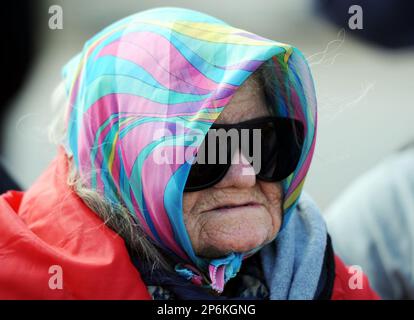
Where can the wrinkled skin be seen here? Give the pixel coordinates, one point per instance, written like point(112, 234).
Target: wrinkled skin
point(255, 214)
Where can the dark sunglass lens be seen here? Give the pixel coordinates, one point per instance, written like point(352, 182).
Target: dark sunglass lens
point(269, 152)
point(204, 175)
point(281, 141)
point(281, 150)
point(206, 170)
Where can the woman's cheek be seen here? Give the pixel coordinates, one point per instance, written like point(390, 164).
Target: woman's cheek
point(274, 196)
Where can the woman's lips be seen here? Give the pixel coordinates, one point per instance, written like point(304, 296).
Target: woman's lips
point(234, 208)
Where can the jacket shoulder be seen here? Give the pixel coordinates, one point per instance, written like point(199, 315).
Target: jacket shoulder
point(52, 246)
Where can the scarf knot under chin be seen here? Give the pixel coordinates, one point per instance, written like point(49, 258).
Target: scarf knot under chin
point(220, 271)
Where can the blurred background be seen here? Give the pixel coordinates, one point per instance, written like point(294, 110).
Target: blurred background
point(364, 78)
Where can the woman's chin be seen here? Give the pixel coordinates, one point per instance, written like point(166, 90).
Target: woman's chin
point(223, 235)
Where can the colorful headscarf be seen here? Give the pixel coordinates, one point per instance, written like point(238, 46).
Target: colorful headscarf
point(149, 72)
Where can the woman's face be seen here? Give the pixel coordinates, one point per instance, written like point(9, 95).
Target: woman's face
point(253, 212)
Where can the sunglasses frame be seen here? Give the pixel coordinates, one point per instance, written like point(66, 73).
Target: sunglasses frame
point(278, 122)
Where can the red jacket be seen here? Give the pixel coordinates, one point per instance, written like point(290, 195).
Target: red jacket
point(47, 233)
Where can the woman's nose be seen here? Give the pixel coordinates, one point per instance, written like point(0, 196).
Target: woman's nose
point(241, 173)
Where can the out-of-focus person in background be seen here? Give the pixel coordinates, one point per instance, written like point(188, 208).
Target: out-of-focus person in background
point(378, 211)
point(122, 217)
point(16, 25)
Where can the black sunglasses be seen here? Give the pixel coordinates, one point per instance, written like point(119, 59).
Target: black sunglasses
point(281, 141)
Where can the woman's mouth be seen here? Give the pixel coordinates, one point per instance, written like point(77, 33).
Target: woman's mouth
point(236, 207)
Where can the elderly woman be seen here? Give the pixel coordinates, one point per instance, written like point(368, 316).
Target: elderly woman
point(130, 210)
